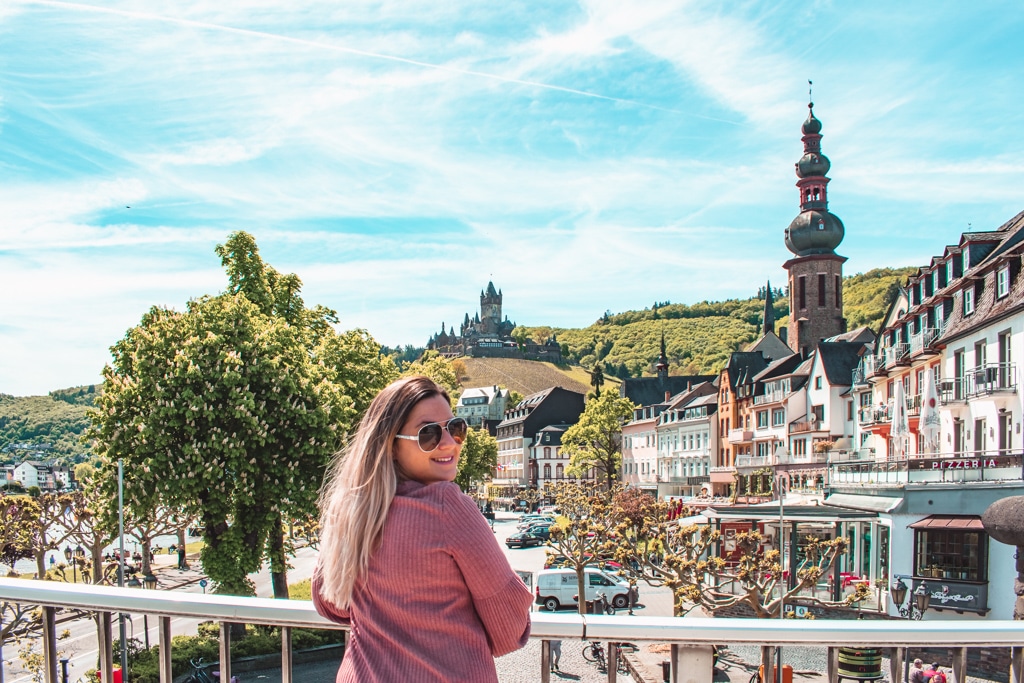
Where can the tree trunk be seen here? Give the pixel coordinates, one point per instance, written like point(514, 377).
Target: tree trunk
point(581, 586)
point(278, 561)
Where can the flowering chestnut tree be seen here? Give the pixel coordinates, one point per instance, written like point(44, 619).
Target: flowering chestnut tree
point(231, 411)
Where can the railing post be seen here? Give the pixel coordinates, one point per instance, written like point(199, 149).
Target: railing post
point(106, 647)
point(1016, 665)
point(896, 663)
point(698, 662)
point(286, 655)
point(613, 662)
point(545, 661)
point(225, 651)
point(50, 643)
point(831, 665)
point(164, 637)
point(960, 664)
point(767, 664)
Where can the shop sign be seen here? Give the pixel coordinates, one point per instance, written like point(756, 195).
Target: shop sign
point(953, 595)
point(964, 463)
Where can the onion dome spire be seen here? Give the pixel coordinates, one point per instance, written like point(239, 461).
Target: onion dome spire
point(816, 230)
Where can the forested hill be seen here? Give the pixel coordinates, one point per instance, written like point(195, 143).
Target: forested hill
point(45, 427)
point(700, 337)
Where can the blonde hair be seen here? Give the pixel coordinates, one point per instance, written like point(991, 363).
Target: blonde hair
point(358, 491)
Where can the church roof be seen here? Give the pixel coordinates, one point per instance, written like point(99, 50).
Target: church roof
point(770, 346)
point(648, 391)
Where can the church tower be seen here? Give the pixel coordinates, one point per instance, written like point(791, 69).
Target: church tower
point(816, 272)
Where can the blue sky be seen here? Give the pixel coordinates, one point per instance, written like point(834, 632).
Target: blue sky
point(584, 155)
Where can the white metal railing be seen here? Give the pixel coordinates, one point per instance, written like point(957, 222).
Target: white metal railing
point(970, 466)
point(896, 353)
point(771, 397)
point(923, 339)
point(697, 633)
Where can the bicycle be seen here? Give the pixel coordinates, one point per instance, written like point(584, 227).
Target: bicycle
point(201, 675)
point(594, 652)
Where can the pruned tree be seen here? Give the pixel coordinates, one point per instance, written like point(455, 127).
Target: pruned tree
point(662, 551)
point(595, 441)
point(579, 537)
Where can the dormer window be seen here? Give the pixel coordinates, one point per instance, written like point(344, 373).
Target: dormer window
point(950, 274)
point(969, 300)
point(1002, 282)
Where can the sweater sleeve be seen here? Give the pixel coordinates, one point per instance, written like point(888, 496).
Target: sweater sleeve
point(326, 609)
point(501, 599)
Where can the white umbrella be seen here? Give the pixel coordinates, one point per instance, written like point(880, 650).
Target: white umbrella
point(931, 422)
point(900, 422)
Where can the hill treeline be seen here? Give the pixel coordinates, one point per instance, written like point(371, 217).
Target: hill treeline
point(699, 337)
point(45, 427)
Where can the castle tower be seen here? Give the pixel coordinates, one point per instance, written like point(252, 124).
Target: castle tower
point(816, 272)
point(490, 309)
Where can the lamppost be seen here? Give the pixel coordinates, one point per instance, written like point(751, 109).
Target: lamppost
point(914, 609)
point(68, 554)
point(134, 582)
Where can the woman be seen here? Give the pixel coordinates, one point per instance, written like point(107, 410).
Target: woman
point(406, 558)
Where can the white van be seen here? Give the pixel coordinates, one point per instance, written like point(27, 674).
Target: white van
point(556, 588)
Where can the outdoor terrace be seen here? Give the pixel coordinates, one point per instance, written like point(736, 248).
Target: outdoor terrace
point(953, 468)
point(986, 380)
point(690, 638)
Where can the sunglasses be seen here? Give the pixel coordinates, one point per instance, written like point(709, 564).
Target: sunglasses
point(429, 436)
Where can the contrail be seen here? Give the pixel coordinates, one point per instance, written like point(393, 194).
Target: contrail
point(146, 16)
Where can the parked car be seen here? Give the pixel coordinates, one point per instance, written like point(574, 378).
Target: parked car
point(542, 531)
point(530, 520)
point(557, 588)
point(521, 539)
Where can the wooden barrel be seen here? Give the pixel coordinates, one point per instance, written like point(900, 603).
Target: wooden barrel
point(860, 663)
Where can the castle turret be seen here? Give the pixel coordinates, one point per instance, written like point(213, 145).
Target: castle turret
point(816, 274)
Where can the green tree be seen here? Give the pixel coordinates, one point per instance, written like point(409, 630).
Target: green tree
point(438, 368)
point(478, 458)
point(521, 336)
point(597, 378)
point(232, 410)
point(595, 441)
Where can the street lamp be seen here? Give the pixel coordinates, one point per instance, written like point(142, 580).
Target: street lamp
point(915, 608)
point(68, 554)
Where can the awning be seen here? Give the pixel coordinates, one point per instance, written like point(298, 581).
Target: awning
point(692, 519)
point(961, 522)
point(868, 503)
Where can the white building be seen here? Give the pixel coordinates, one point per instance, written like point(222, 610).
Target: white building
point(483, 403)
point(687, 434)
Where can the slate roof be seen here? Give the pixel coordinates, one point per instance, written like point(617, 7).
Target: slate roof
point(779, 368)
point(647, 391)
point(770, 346)
point(743, 366)
point(863, 335)
point(839, 360)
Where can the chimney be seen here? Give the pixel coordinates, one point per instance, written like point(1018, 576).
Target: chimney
point(668, 395)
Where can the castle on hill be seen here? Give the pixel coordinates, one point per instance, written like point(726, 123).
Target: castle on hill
point(486, 335)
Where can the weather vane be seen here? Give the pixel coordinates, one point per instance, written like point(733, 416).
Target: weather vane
point(810, 85)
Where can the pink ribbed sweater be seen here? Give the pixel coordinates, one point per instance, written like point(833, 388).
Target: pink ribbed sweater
point(439, 601)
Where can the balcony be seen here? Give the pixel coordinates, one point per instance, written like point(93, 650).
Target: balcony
point(986, 380)
point(872, 415)
point(924, 341)
point(773, 397)
point(954, 468)
point(740, 436)
point(812, 425)
point(690, 638)
point(897, 354)
point(747, 462)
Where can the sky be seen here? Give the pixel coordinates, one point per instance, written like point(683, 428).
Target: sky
point(399, 155)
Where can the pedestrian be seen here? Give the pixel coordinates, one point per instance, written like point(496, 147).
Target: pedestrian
point(556, 654)
point(181, 558)
point(389, 504)
point(917, 672)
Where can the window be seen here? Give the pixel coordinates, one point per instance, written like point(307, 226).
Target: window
point(821, 289)
point(799, 447)
point(947, 554)
point(950, 271)
point(1002, 282)
point(762, 419)
point(547, 452)
point(839, 292)
point(849, 411)
point(969, 300)
point(818, 412)
point(817, 382)
point(778, 417)
point(547, 471)
point(802, 291)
